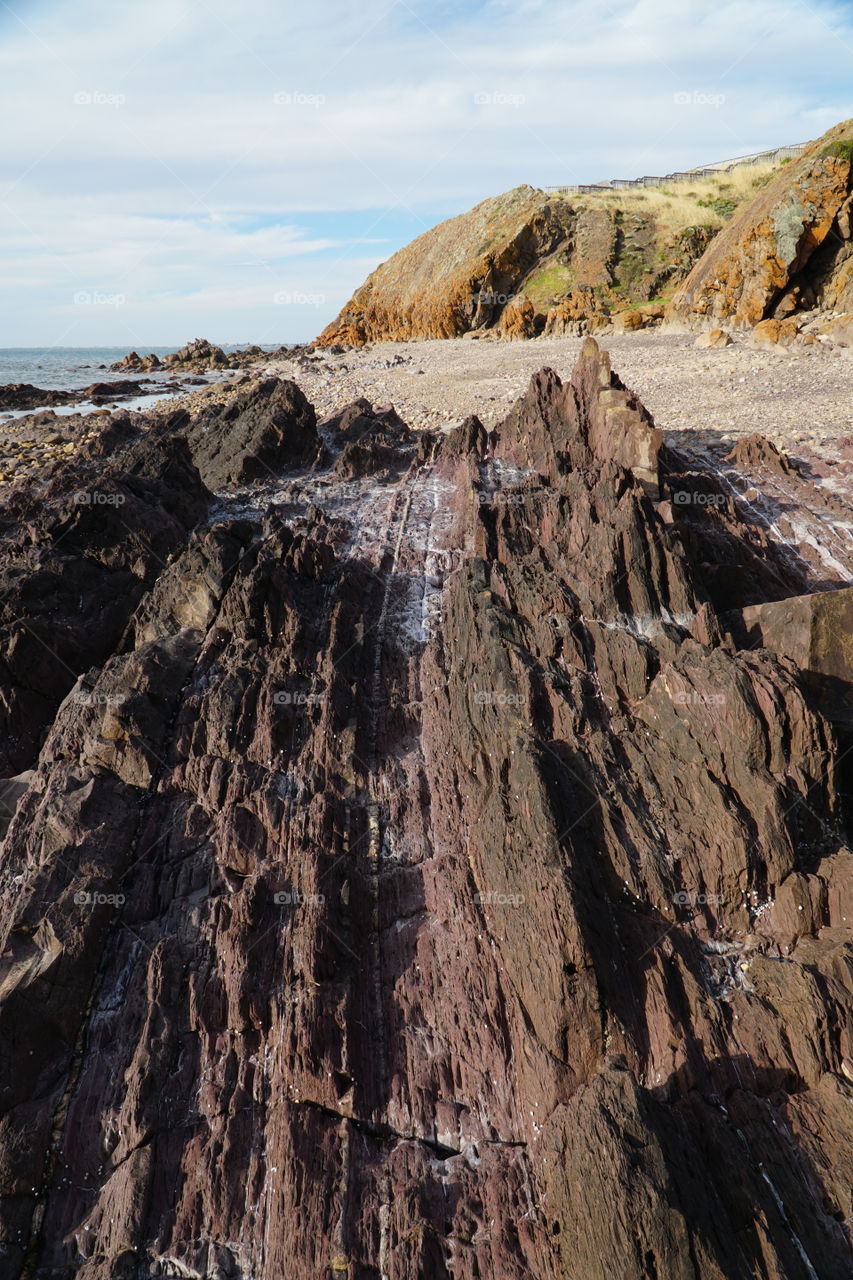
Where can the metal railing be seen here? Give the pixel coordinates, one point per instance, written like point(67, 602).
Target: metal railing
point(684, 175)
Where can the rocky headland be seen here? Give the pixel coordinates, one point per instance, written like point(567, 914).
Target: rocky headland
point(772, 255)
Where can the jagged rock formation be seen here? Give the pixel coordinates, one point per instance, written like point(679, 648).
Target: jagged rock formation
point(198, 356)
point(408, 877)
point(788, 251)
point(252, 434)
point(521, 262)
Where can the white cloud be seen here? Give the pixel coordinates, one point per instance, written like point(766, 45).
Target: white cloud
point(154, 182)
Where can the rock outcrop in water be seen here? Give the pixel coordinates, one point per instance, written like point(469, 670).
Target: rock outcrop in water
point(409, 876)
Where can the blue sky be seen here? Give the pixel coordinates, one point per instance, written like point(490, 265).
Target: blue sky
point(172, 169)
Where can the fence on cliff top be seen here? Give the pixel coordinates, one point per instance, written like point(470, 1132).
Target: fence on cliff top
point(685, 175)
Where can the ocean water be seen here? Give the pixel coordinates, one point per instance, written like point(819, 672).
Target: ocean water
point(68, 368)
point(63, 368)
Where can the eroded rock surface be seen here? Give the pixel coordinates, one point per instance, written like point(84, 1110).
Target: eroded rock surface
point(518, 264)
point(788, 251)
point(416, 882)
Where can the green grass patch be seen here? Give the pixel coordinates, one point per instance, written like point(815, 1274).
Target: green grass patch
point(548, 282)
point(841, 150)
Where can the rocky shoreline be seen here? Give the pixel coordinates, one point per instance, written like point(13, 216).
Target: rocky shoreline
point(445, 824)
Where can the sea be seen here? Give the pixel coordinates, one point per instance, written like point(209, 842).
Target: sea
point(71, 368)
point(63, 368)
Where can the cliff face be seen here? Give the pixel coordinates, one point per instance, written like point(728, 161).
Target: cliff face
point(523, 263)
point(789, 250)
point(521, 249)
point(407, 879)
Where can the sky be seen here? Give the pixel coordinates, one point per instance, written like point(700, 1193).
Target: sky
point(174, 169)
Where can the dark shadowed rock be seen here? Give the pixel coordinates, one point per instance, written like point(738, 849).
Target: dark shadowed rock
point(252, 434)
point(421, 885)
point(22, 395)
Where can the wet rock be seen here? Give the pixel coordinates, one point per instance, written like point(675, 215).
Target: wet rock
point(22, 395)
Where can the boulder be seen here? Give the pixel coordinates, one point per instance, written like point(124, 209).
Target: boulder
point(627, 321)
point(252, 433)
point(838, 330)
point(23, 395)
point(774, 333)
point(197, 356)
point(816, 632)
point(714, 339)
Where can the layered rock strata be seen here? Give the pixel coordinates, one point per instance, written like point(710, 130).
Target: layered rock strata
point(413, 878)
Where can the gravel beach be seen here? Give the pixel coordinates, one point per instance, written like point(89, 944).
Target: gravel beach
point(801, 398)
point(795, 396)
